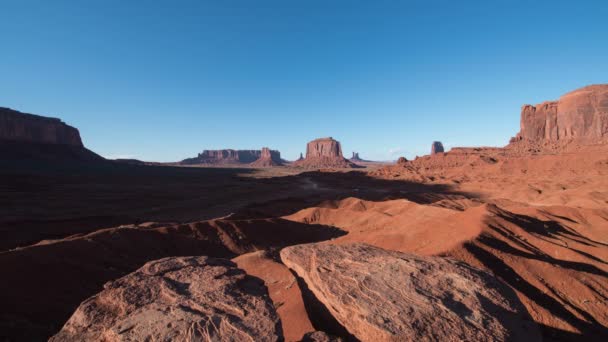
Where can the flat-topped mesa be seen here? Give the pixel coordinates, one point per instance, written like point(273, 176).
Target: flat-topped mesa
point(227, 156)
point(324, 153)
point(30, 128)
point(268, 158)
point(437, 147)
point(579, 115)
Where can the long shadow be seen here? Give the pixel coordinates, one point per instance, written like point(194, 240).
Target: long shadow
point(335, 186)
point(589, 331)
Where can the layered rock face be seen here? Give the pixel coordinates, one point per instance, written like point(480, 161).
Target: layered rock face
point(229, 156)
point(437, 147)
point(268, 158)
point(177, 299)
point(380, 295)
point(324, 153)
point(578, 115)
point(30, 128)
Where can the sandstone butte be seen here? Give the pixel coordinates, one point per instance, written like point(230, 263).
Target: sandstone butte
point(268, 158)
point(381, 295)
point(578, 115)
point(437, 147)
point(324, 153)
point(177, 299)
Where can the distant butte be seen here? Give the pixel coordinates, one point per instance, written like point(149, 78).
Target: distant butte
point(437, 147)
point(268, 158)
point(324, 153)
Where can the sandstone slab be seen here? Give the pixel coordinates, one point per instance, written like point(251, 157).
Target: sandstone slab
point(177, 299)
point(380, 295)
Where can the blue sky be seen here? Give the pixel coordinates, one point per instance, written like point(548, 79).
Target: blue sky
point(163, 80)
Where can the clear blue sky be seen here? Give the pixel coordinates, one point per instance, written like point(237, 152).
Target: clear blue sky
point(163, 80)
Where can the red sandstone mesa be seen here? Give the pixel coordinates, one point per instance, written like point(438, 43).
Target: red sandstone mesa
point(22, 127)
point(228, 157)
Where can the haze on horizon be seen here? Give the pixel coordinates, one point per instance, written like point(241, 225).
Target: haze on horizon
point(163, 81)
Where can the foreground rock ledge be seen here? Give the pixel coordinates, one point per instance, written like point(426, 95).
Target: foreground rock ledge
point(380, 295)
point(177, 299)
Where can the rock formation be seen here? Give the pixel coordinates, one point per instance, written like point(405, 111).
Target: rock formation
point(268, 158)
point(301, 157)
point(17, 126)
point(579, 115)
point(356, 159)
point(401, 160)
point(180, 299)
point(324, 153)
point(228, 157)
point(28, 137)
point(380, 295)
point(437, 147)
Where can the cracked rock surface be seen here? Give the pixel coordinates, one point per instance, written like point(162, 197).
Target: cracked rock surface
point(380, 295)
point(177, 299)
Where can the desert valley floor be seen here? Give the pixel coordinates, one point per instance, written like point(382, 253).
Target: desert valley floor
point(538, 222)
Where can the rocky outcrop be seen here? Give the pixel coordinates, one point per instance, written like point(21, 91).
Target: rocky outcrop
point(268, 158)
point(380, 295)
point(30, 128)
point(402, 160)
point(178, 299)
point(301, 157)
point(324, 153)
point(437, 147)
point(579, 115)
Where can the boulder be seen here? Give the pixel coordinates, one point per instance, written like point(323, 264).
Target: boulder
point(579, 115)
point(30, 128)
point(437, 147)
point(177, 299)
point(380, 295)
point(324, 153)
point(268, 158)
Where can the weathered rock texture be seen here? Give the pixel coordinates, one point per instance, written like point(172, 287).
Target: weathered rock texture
point(225, 157)
point(579, 115)
point(22, 127)
point(268, 158)
point(177, 299)
point(380, 295)
point(437, 147)
point(324, 153)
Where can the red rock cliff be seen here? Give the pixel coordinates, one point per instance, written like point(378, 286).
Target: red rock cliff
point(22, 127)
point(581, 115)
